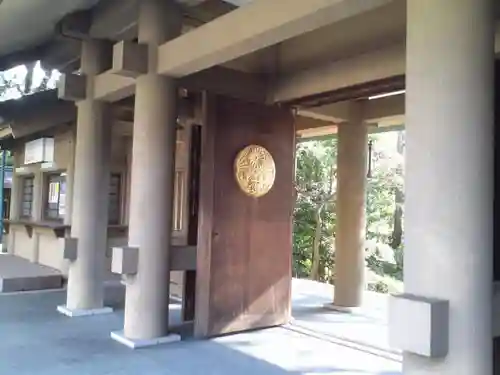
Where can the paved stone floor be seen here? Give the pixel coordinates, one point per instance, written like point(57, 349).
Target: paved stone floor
point(35, 339)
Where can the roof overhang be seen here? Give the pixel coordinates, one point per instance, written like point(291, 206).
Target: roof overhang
point(55, 26)
point(33, 114)
point(41, 16)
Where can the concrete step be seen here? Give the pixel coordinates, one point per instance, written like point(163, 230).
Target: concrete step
point(18, 274)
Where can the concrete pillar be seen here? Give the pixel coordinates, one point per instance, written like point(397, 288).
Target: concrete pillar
point(351, 209)
point(90, 194)
point(15, 202)
point(15, 191)
point(152, 182)
point(70, 176)
point(37, 213)
point(37, 204)
point(15, 196)
point(449, 176)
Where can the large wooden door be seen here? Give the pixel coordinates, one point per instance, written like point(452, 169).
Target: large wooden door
point(244, 243)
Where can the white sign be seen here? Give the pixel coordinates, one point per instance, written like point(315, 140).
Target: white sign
point(39, 151)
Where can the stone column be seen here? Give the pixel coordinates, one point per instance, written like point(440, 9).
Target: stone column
point(37, 212)
point(90, 194)
point(152, 182)
point(351, 208)
point(449, 177)
point(15, 199)
point(70, 176)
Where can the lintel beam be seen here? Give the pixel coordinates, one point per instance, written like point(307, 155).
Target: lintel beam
point(229, 82)
point(368, 67)
point(130, 59)
point(371, 66)
point(72, 87)
point(39, 121)
point(376, 110)
point(112, 87)
point(233, 35)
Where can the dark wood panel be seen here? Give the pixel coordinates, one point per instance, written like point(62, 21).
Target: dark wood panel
point(247, 269)
point(496, 199)
point(205, 217)
point(188, 300)
point(189, 295)
point(194, 184)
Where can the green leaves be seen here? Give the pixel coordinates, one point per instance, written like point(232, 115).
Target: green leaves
point(26, 79)
point(315, 184)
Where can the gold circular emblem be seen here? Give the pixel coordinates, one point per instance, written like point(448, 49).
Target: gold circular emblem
point(255, 170)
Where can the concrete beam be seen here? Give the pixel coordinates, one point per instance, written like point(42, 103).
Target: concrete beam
point(315, 114)
point(322, 131)
point(367, 67)
point(304, 122)
point(72, 87)
point(309, 127)
point(231, 36)
point(371, 66)
point(40, 120)
point(376, 110)
point(111, 87)
point(228, 82)
point(380, 109)
point(130, 59)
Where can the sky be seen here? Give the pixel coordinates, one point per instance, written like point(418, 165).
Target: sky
point(18, 74)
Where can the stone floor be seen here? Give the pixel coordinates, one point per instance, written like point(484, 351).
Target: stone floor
point(35, 339)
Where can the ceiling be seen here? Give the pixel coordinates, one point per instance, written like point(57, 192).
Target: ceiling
point(367, 31)
point(43, 15)
point(40, 15)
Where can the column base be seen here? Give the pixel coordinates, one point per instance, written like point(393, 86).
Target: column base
point(342, 309)
point(138, 343)
point(72, 313)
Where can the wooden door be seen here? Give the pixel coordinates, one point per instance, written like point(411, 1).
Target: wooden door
point(244, 243)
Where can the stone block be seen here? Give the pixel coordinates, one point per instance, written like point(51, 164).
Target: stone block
point(72, 87)
point(419, 325)
point(70, 249)
point(125, 260)
point(130, 59)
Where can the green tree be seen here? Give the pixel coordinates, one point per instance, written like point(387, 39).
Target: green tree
point(385, 206)
point(26, 79)
point(314, 223)
point(315, 219)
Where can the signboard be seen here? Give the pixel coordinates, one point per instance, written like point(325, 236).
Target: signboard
point(39, 151)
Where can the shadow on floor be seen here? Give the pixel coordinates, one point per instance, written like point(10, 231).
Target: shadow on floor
point(38, 340)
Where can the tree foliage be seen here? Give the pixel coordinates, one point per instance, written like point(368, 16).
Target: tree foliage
point(26, 79)
point(315, 219)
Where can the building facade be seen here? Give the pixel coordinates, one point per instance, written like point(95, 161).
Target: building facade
point(43, 152)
